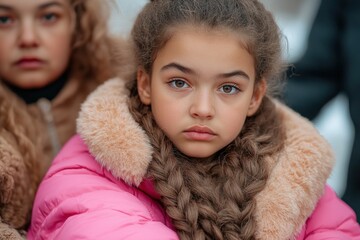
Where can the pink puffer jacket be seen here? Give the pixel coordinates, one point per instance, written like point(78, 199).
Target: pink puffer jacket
point(96, 187)
point(79, 199)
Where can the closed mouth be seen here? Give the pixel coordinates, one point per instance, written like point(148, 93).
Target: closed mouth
point(199, 133)
point(29, 63)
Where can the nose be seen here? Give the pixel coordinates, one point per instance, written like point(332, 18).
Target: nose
point(27, 35)
point(202, 106)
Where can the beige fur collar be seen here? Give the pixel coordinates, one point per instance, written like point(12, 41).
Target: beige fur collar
point(298, 174)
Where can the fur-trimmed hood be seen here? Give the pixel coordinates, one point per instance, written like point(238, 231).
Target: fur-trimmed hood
point(297, 174)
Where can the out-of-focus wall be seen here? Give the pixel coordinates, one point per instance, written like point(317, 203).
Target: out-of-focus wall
point(124, 15)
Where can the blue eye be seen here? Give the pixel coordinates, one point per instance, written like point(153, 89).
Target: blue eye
point(178, 83)
point(229, 89)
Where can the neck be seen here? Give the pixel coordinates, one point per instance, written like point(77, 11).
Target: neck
point(49, 92)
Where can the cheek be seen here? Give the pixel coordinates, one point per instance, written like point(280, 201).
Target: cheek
point(235, 124)
point(166, 114)
point(166, 109)
point(61, 55)
point(7, 48)
point(233, 119)
point(59, 40)
point(7, 55)
point(3, 56)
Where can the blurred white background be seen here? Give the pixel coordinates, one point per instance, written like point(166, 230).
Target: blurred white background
point(294, 19)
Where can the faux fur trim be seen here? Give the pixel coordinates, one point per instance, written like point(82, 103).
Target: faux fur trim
point(297, 180)
point(298, 174)
point(113, 137)
point(9, 233)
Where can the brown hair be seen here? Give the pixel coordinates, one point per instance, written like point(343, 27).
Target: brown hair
point(91, 53)
point(212, 198)
point(154, 25)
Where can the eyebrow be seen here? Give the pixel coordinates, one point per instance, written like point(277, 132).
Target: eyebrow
point(190, 71)
point(179, 67)
point(42, 6)
point(238, 73)
point(5, 7)
point(50, 4)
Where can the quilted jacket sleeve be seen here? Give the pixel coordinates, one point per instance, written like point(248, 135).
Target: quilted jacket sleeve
point(332, 219)
point(78, 199)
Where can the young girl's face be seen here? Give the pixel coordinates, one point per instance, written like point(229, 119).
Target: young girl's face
point(201, 89)
point(35, 41)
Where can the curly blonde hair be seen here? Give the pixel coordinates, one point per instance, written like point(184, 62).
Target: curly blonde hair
point(213, 198)
point(91, 53)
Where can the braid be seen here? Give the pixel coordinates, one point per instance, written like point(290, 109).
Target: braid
point(212, 198)
point(166, 174)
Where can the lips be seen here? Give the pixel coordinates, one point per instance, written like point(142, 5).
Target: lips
point(29, 63)
point(199, 133)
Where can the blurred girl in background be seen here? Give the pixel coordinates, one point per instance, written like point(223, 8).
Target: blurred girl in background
point(53, 53)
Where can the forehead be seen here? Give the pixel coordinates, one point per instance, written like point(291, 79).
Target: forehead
point(207, 52)
point(30, 5)
point(188, 31)
point(243, 39)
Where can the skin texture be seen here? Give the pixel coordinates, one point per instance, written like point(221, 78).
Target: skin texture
point(35, 41)
point(201, 89)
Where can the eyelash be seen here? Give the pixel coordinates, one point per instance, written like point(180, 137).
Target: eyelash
point(233, 87)
point(172, 83)
point(53, 17)
point(47, 18)
point(6, 21)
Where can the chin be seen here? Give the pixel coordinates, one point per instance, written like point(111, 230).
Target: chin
point(197, 150)
point(32, 83)
point(198, 154)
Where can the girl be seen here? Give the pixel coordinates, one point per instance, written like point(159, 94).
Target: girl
point(53, 53)
point(196, 148)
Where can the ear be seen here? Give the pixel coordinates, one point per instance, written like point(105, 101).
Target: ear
point(258, 94)
point(143, 86)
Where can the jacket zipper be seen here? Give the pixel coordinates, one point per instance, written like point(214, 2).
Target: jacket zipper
point(45, 107)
